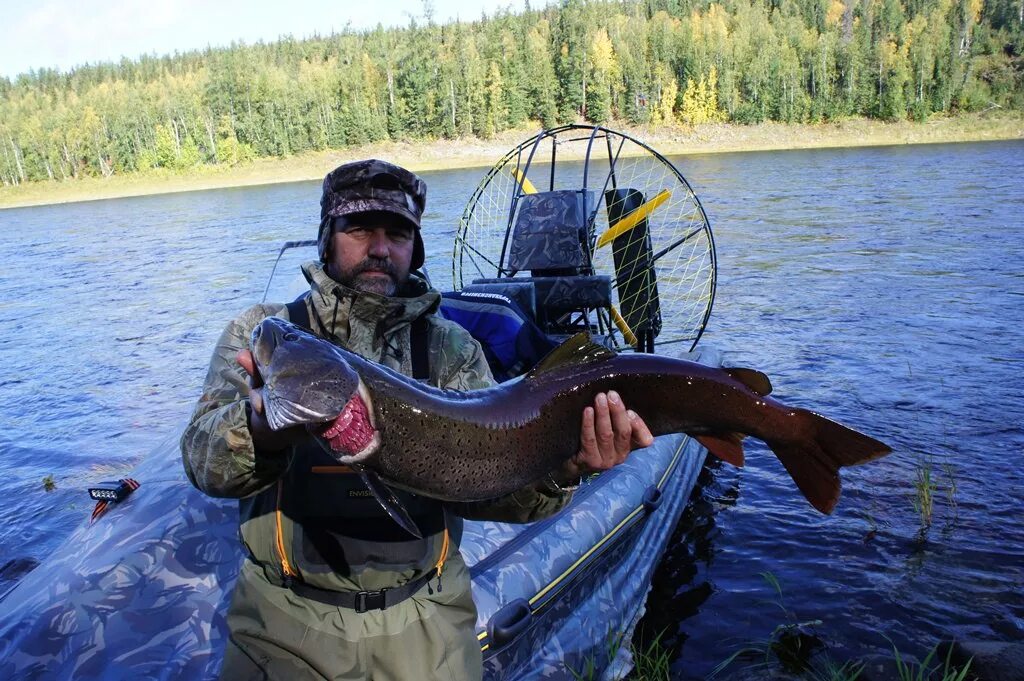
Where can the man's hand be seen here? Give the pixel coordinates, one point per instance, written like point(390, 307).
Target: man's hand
point(608, 433)
point(264, 438)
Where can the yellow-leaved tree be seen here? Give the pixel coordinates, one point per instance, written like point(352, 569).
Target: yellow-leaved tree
point(700, 100)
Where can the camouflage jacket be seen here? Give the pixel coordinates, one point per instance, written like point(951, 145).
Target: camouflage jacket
point(217, 448)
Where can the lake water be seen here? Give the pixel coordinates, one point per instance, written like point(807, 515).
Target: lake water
point(882, 286)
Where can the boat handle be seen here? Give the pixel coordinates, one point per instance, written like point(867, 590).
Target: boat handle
point(510, 621)
point(652, 498)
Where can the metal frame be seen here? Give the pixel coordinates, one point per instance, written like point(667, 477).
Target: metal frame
point(589, 133)
point(288, 245)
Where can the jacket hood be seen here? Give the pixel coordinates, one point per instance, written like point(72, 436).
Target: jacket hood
point(362, 320)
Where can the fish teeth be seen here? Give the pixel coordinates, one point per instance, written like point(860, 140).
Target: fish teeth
point(354, 426)
point(365, 394)
point(340, 423)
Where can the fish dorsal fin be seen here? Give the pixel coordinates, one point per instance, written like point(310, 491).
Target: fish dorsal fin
point(751, 378)
point(578, 350)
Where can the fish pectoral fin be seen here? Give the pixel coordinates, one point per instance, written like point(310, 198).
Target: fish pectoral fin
point(752, 378)
point(726, 446)
point(577, 350)
point(388, 501)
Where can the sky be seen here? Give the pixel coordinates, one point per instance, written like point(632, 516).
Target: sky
point(67, 33)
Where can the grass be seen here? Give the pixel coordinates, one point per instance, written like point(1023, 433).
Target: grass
point(924, 494)
point(929, 486)
point(795, 649)
point(790, 646)
point(652, 663)
point(930, 669)
point(951, 488)
point(848, 671)
point(872, 527)
point(425, 155)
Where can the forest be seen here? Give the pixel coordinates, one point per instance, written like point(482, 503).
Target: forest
point(662, 62)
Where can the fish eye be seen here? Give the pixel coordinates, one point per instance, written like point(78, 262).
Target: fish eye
point(291, 336)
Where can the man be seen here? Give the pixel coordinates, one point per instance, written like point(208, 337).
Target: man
point(332, 587)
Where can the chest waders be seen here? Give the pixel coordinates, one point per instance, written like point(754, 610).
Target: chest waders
point(338, 530)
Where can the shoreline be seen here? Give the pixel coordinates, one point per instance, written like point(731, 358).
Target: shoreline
point(430, 155)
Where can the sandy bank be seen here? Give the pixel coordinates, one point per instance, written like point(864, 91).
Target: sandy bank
point(469, 153)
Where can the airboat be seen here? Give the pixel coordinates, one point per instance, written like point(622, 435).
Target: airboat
point(579, 228)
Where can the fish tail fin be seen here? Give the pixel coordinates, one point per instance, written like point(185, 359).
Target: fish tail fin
point(814, 460)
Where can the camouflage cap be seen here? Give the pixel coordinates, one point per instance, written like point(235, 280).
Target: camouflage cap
point(372, 186)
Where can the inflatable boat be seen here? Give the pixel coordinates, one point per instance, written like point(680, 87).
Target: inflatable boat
point(142, 592)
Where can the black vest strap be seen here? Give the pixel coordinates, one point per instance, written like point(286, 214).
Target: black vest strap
point(297, 312)
point(420, 351)
point(419, 331)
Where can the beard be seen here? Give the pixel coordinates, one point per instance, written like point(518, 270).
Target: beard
point(366, 277)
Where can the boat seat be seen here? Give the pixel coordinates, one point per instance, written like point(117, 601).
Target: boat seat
point(549, 272)
point(519, 291)
point(550, 233)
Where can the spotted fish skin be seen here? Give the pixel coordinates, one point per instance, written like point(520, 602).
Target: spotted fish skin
point(470, 446)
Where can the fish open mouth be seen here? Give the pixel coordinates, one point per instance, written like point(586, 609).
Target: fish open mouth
point(353, 433)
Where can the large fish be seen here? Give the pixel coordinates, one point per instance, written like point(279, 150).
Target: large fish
point(482, 444)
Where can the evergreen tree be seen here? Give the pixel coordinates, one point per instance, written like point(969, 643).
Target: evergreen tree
point(657, 61)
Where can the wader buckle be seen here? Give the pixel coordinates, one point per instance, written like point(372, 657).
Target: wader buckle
point(360, 601)
point(370, 600)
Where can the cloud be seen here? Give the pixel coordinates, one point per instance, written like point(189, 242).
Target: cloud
point(69, 33)
point(65, 33)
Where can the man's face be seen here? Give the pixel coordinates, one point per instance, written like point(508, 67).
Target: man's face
point(373, 254)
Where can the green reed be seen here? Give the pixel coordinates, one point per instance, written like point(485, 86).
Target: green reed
point(653, 663)
point(789, 646)
point(794, 649)
point(924, 494)
point(930, 668)
point(951, 488)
